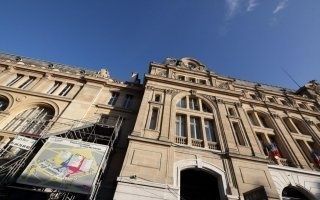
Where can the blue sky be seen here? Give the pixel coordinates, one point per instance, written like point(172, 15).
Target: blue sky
point(245, 39)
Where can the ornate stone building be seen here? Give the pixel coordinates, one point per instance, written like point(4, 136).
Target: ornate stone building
point(185, 133)
point(40, 99)
point(199, 135)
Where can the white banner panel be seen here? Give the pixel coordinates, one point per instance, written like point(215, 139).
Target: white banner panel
point(65, 164)
point(22, 142)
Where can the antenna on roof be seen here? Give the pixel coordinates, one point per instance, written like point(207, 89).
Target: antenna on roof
point(290, 77)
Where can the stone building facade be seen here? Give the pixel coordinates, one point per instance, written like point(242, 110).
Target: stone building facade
point(39, 99)
point(199, 135)
point(186, 132)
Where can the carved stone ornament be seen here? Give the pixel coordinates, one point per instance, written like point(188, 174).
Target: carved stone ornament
point(275, 115)
point(171, 62)
point(193, 92)
point(162, 73)
point(212, 99)
point(224, 85)
point(219, 100)
point(310, 122)
point(149, 87)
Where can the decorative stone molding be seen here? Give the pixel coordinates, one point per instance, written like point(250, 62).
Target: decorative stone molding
point(212, 99)
point(238, 104)
point(275, 115)
point(310, 122)
point(193, 92)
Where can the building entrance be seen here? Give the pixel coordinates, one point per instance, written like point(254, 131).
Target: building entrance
point(197, 184)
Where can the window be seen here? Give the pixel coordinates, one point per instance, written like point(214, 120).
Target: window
point(181, 126)
point(66, 90)
point(114, 98)
point(300, 126)
point(203, 82)
point(157, 98)
point(314, 108)
point(289, 125)
point(154, 118)
point(3, 103)
point(284, 102)
point(271, 99)
point(193, 80)
point(208, 126)
point(303, 146)
point(195, 127)
point(253, 119)
point(182, 103)
point(301, 105)
point(54, 87)
point(263, 121)
point(232, 112)
point(193, 103)
point(262, 143)
point(27, 82)
point(253, 96)
point(16, 79)
point(238, 133)
point(31, 121)
point(205, 108)
point(181, 78)
point(128, 101)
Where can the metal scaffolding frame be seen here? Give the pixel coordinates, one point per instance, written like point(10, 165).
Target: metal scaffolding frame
point(99, 130)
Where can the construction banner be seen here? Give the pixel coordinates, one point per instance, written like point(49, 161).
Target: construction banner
point(65, 164)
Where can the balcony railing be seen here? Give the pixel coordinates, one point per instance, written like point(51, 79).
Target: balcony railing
point(196, 142)
point(213, 145)
point(181, 140)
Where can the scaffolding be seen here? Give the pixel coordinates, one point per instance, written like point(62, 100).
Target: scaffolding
point(102, 130)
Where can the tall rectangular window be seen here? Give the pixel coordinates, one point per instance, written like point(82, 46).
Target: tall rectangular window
point(16, 79)
point(127, 101)
point(253, 119)
point(181, 126)
point(195, 127)
point(289, 125)
point(54, 87)
point(193, 104)
point(27, 82)
point(263, 121)
point(238, 133)
point(66, 90)
point(154, 119)
point(208, 126)
point(113, 99)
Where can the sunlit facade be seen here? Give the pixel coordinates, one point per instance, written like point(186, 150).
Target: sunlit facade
point(185, 133)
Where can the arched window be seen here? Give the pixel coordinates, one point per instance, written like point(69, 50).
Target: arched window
point(195, 125)
point(31, 121)
point(3, 103)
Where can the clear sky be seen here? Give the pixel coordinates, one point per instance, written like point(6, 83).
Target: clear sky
point(245, 39)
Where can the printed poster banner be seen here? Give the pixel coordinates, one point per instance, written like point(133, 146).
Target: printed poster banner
point(22, 142)
point(65, 164)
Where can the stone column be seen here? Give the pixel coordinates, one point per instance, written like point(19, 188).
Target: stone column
point(204, 135)
point(143, 112)
point(230, 141)
point(164, 132)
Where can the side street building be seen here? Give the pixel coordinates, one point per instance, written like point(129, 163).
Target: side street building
point(184, 133)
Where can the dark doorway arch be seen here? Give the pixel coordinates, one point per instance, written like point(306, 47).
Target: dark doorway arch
point(293, 193)
point(196, 184)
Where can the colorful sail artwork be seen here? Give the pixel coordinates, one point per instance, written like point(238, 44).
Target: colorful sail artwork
point(65, 164)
